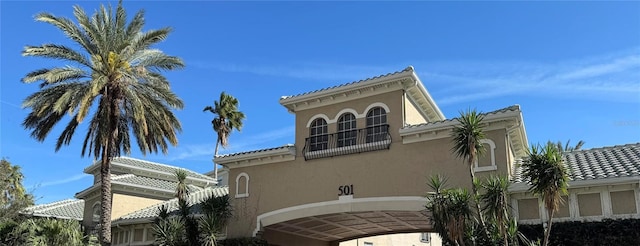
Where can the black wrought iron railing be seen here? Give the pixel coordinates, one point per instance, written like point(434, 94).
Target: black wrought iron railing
point(347, 142)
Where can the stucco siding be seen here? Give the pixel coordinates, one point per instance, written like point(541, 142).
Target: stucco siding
point(124, 204)
point(412, 115)
point(528, 209)
point(623, 202)
point(589, 204)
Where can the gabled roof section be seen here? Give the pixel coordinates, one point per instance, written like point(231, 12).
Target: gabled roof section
point(401, 80)
point(147, 168)
point(148, 214)
point(621, 162)
point(510, 116)
point(66, 209)
point(257, 157)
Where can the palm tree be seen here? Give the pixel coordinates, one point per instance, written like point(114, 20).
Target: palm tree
point(548, 177)
point(116, 74)
point(217, 212)
point(566, 147)
point(466, 145)
point(227, 118)
point(190, 223)
point(496, 204)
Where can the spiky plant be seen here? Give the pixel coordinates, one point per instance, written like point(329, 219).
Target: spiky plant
point(466, 145)
point(548, 176)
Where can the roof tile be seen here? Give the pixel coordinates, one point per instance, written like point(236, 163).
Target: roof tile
point(409, 68)
point(65, 209)
point(598, 163)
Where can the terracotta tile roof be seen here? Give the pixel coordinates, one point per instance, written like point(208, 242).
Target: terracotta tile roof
point(255, 151)
point(151, 212)
point(65, 209)
point(598, 163)
point(408, 69)
point(513, 108)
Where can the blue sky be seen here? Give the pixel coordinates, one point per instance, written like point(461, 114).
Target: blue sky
point(574, 68)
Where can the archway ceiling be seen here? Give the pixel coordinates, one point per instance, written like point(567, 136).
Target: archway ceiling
point(346, 226)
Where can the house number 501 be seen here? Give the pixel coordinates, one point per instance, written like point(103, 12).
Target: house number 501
point(345, 190)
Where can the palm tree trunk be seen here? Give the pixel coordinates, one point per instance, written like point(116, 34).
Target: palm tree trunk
point(547, 230)
point(215, 166)
point(476, 201)
point(105, 198)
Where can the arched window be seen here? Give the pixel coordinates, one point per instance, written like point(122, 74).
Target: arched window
point(242, 185)
point(318, 137)
point(96, 210)
point(347, 130)
point(486, 162)
point(377, 127)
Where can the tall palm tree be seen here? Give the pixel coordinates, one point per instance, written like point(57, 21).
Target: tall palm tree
point(466, 145)
point(116, 75)
point(548, 177)
point(227, 117)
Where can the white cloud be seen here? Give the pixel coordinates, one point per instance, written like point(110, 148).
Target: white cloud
point(610, 77)
point(205, 151)
point(64, 181)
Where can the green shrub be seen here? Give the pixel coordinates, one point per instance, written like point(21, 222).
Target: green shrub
point(606, 232)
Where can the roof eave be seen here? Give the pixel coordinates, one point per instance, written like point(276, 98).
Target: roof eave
point(225, 160)
point(524, 187)
point(290, 101)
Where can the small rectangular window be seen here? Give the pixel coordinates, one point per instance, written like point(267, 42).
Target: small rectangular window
point(368, 244)
point(425, 237)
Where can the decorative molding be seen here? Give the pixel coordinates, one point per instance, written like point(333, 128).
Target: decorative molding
point(408, 203)
point(492, 152)
point(246, 186)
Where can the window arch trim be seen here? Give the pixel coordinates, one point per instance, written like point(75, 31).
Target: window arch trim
point(491, 151)
point(246, 185)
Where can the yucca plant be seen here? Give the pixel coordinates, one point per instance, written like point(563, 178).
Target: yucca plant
point(466, 145)
point(545, 171)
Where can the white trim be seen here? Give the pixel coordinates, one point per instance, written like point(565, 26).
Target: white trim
point(396, 203)
point(324, 116)
point(492, 152)
point(574, 207)
point(376, 104)
point(285, 153)
point(348, 110)
point(605, 202)
point(246, 187)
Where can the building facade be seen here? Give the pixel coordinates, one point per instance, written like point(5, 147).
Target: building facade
point(357, 173)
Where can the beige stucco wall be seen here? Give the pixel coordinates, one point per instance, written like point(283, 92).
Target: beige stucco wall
point(623, 202)
point(125, 204)
point(401, 170)
point(395, 239)
point(412, 115)
point(528, 209)
point(589, 204)
point(563, 211)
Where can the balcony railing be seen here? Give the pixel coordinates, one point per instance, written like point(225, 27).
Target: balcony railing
point(347, 142)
